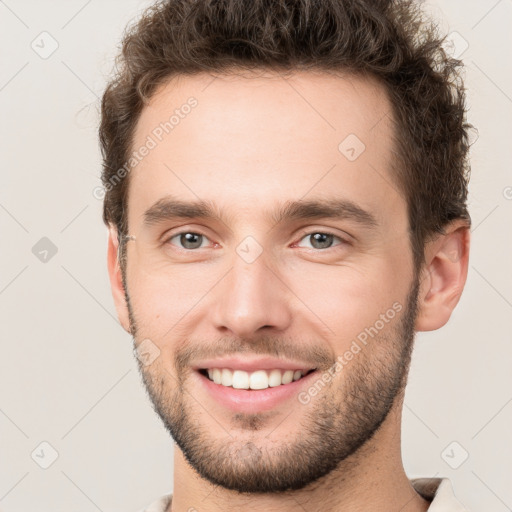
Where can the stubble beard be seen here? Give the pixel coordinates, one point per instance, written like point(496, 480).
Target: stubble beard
point(332, 430)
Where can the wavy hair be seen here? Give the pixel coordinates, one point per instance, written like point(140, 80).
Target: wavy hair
point(389, 40)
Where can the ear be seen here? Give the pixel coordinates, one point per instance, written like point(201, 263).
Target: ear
point(116, 282)
point(443, 276)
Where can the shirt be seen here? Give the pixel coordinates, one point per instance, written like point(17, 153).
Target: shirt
point(438, 491)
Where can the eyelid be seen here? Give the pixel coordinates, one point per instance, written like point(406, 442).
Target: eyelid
point(183, 228)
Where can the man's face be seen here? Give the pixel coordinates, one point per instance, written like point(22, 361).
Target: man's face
point(252, 297)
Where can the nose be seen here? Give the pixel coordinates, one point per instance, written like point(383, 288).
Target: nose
point(250, 298)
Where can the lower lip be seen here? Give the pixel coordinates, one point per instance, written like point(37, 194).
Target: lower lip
point(256, 400)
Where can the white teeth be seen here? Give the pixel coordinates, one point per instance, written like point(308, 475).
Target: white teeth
point(287, 377)
point(274, 379)
point(260, 379)
point(240, 379)
point(217, 376)
point(227, 377)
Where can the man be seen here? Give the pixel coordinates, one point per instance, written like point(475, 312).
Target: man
point(286, 187)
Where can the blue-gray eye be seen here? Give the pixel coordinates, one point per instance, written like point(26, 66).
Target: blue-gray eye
point(321, 240)
point(189, 239)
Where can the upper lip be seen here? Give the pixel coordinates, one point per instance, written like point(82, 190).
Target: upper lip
point(252, 364)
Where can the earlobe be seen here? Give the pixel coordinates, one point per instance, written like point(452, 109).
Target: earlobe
point(443, 278)
point(116, 281)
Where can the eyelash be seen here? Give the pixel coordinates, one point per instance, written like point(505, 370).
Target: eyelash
point(303, 235)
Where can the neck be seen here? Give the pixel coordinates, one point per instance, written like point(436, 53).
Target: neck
point(371, 479)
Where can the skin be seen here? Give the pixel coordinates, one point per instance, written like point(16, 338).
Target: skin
point(252, 142)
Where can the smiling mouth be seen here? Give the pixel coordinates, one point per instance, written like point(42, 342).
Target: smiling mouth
point(257, 380)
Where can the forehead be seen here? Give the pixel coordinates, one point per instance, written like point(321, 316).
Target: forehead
point(244, 141)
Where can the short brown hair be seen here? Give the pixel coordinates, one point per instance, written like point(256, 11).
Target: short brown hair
point(386, 39)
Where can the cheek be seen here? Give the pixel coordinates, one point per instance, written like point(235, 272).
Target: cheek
point(164, 302)
point(349, 299)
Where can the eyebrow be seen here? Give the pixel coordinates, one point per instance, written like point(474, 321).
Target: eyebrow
point(170, 208)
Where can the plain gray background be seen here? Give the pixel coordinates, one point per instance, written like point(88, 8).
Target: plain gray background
point(68, 377)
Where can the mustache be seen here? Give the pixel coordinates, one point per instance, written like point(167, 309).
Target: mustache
point(313, 352)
